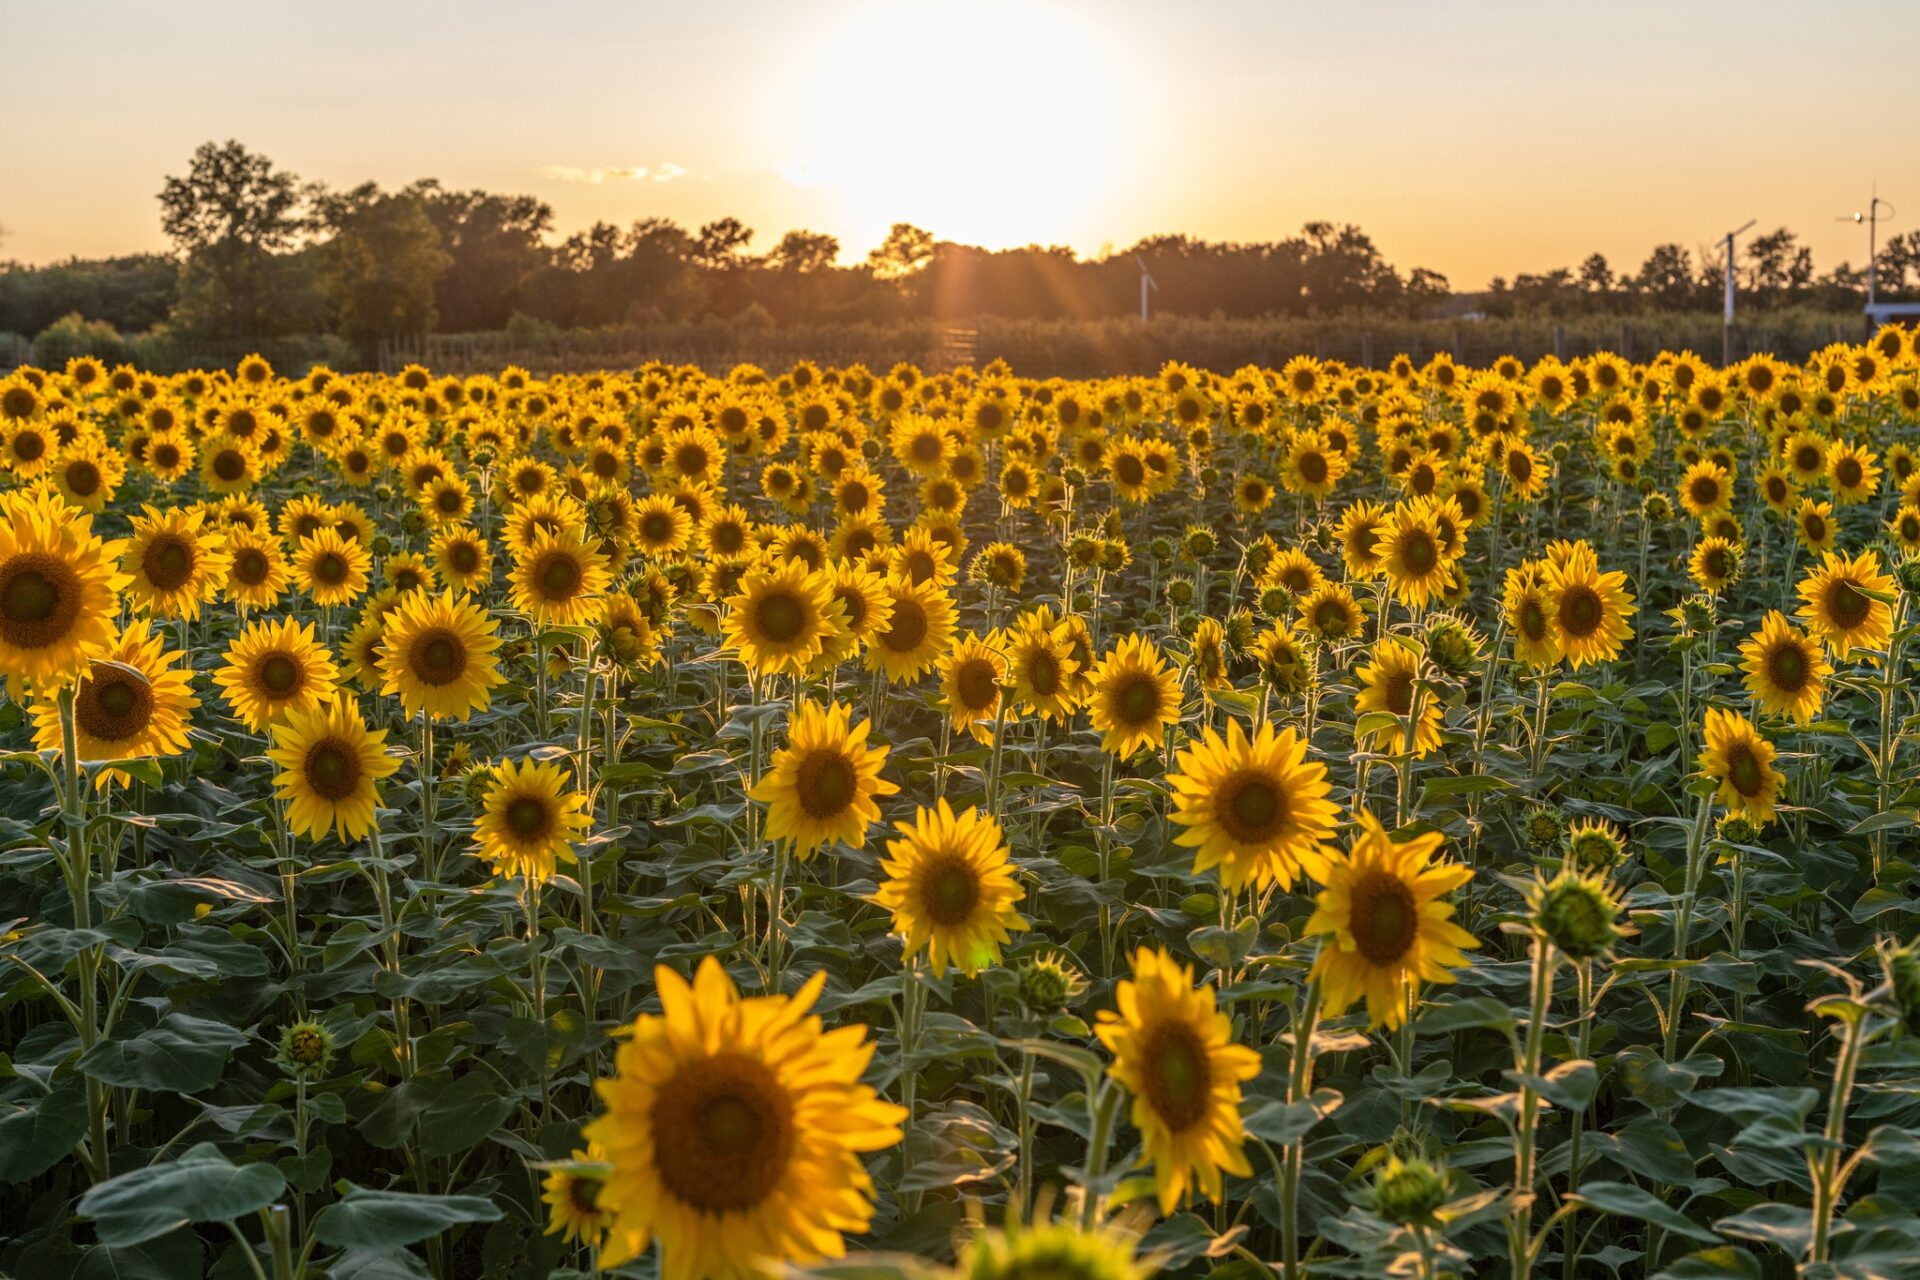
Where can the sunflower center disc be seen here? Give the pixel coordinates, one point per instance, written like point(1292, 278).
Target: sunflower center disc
point(1178, 1078)
point(279, 673)
point(527, 817)
point(826, 785)
point(1385, 918)
point(950, 893)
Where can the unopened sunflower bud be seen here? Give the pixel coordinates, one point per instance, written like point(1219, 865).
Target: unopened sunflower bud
point(1408, 1191)
point(305, 1050)
point(1578, 914)
point(1593, 845)
point(1048, 984)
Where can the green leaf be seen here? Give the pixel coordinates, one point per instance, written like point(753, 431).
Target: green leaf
point(462, 1114)
point(1441, 1019)
point(1567, 1084)
point(176, 1254)
point(1083, 1062)
point(1785, 1226)
point(1652, 1148)
point(35, 1137)
point(1282, 1123)
point(1629, 1201)
point(201, 1186)
point(1887, 821)
point(179, 1054)
point(365, 1219)
point(1726, 1262)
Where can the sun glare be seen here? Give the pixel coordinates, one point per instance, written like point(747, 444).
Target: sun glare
point(995, 122)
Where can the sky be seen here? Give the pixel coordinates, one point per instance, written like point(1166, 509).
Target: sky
point(1474, 138)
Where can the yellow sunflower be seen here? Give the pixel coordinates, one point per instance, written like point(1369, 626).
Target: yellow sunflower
point(274, 668)
point(440, 655)
point(130, 705)
point(972, 674)
point(257, 573)
point(1587, 609)
point(330, 768)
point(1786, 670)
point(88, 473)
point(1135, 696)
point(1040, 659)
point(559, 578)
point(734, 1129)
point(175, 562)
point(782, 618)
point(572, 1196)
point(1412, 554)
point(529, 819)
point(1387, 924)
point(1174, 1052)
point(950, 886)
point(461, 555)
point(1740, 760)
point(330, 568)
point(1255, 808)
point(1362, 534)
point(59, 590)
point(919, 629)
point(823, 785)
point(1388, 684)
point(1846, 603)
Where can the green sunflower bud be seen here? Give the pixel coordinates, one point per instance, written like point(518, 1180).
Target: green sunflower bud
point(305, 1050)
point(1579, 915)
point(1408, 1191)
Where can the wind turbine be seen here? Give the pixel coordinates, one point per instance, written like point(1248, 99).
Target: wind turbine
point(1147, 285)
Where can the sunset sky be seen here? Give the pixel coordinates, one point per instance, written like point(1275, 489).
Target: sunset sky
point(1473, 138)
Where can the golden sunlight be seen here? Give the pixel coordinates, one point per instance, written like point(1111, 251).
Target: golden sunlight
point(995, 122)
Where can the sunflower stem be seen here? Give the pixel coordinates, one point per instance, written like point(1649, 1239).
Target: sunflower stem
point(1521, 1252)
point(1299, 1086)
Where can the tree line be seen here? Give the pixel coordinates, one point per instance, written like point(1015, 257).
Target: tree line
point(258, 253)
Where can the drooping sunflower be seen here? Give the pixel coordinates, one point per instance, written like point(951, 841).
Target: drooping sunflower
point(439, 654)
point(782, 618)
point(175, 561)
point(1389, 683)
point(1786, 670)
point(1841, 605)
point(919, 629)
point(59, 590)
point(529, 819)
point(559, 578)
point(1135, 696)
point(273, 669)
point(1175, 1053)
point(1387, 925)
point(130, 705)
point(1587, 609)
point(1255, 808)
point(824, 784)
point(330, 568)
point(734, 1129)
point(950, 886)
point(330, 769)
point(1740, 760)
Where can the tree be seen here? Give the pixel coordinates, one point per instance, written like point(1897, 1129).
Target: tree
point(1778, 266)
point(1596, 274)
point(1898, 264)
point(229, 216)
point(495, 244)
point(380, 267)
point(1666, 277)
point(804, 251)
point(721, 244)
point(905, 250)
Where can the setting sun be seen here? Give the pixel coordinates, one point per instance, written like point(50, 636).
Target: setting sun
point(997, 123)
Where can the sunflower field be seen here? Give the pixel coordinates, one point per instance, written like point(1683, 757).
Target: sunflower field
point(1316, 821)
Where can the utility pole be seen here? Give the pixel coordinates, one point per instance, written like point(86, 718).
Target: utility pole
point(1726, 325)
point(1872, 218)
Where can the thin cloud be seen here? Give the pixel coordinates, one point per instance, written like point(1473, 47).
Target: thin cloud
point(667, 172)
